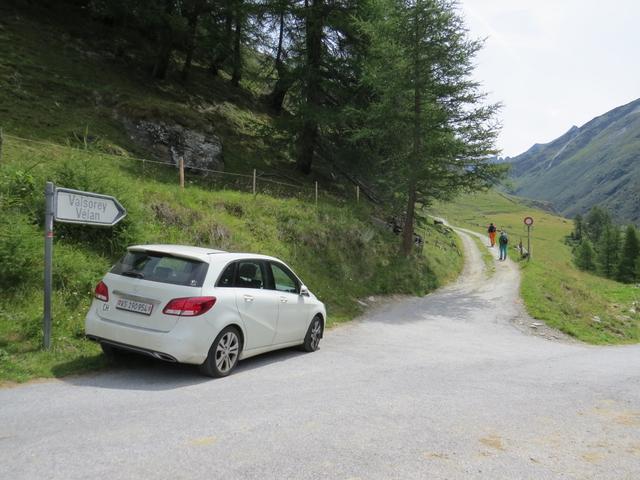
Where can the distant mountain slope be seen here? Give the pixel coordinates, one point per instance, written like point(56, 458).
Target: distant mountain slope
point(596, 164)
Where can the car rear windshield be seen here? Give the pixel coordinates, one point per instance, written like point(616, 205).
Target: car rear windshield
point(162, 267)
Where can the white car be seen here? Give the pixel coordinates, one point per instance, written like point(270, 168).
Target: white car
point(201, 306)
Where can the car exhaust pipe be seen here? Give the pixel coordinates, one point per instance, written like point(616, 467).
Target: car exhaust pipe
point(165, 357)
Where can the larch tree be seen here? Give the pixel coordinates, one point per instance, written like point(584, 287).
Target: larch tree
point(607, 251)
point(629, 255)
point(428, 129)
point(584, 256)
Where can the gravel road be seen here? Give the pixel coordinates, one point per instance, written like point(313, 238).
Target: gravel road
point(454, 385)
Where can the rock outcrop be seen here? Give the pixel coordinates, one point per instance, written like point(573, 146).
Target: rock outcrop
point(201, 151)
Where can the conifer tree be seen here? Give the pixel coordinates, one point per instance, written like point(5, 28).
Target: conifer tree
point(629, 255)
point(578, 227)
point(608, 250)
point(596, 222)
point(584, 256)
point(427, 126)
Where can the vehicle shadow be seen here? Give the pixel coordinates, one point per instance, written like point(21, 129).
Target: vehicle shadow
point(269, 358)
point(137, 372)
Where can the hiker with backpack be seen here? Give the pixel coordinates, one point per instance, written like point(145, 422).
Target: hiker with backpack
point(503, 241)
point(492, 234)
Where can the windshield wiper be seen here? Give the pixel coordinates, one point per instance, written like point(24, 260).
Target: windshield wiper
point(132, 273)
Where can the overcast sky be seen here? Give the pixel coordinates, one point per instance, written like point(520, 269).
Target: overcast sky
point(555, 63)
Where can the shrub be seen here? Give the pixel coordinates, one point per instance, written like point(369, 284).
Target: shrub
point(21, 252)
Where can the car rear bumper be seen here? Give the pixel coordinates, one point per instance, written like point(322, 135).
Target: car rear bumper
point(184, 343)
point(143, 351)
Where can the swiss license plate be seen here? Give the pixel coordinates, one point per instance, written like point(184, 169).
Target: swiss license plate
point(133, 306)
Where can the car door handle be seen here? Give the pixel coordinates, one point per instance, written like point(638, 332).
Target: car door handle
point(248, 298)
point(283, 300)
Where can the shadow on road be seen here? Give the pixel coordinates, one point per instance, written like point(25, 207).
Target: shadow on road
point(137, 372)
point(265, 359)
point(455, 304)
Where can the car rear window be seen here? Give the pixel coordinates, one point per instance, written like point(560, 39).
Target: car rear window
point(162, 267)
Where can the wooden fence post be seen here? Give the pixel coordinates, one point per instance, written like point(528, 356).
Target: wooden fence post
point(181, 165)
point(254, 181)
point(1, 142)
point(316, 193)
point(357, 193)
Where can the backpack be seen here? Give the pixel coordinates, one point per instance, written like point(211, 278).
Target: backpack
point(504, 239)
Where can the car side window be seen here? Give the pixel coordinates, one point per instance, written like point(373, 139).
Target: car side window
point(283, 279)
point(250, 274)
point(226, 279)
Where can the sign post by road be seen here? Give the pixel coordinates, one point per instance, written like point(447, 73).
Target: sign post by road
point(528, 221)
point(71, 206)
point(48, 261)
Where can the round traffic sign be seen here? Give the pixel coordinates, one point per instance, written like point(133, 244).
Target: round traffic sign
point(528, 221)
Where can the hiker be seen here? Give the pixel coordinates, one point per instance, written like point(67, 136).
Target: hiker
point(503, 241)
point(492, 234)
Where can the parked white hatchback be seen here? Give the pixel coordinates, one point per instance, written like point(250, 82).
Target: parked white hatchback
point(202, 306)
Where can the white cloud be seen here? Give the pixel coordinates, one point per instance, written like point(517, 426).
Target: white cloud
point(554, 64)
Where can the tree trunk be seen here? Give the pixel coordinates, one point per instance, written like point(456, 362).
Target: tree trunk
point(280, 90)
point(407, 232)
point(407, 229)
point(191, 40)
point(284, 82)
point(161, 66)
point(220, 58)
point(165, 40)
point(308, 138)
point(237, 54)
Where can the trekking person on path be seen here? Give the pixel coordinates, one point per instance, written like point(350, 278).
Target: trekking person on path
point(492, 234)
point(503, 241)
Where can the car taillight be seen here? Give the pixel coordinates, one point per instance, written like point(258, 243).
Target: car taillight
point(102, 292)
point(189, 306)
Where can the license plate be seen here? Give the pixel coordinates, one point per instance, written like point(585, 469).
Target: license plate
point(133, 306)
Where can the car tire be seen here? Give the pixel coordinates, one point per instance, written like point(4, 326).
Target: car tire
point(314, 334)
point(224, 354)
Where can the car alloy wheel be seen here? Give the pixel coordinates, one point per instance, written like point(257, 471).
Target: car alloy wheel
point(227, 352)
point(223, 354)
point(314, 334)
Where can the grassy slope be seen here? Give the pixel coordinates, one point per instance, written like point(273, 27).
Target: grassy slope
point(335, 247)
point(59, 80)
point(58, 83)
point(552, 288)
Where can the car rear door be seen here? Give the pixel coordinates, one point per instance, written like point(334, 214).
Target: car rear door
point(257, 305)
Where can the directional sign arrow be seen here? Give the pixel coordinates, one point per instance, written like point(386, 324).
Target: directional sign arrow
point(75, 206)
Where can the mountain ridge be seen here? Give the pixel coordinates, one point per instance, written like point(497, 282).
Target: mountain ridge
point(595, 164)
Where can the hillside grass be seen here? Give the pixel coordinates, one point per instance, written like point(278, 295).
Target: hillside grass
point(335, 247)
point(60, 82)
point(588, 307)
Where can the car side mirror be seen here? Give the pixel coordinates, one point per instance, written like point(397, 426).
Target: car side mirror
point(304, 291)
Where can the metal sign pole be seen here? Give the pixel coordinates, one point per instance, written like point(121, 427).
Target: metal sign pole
point(529, 242)
point(48, 260)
